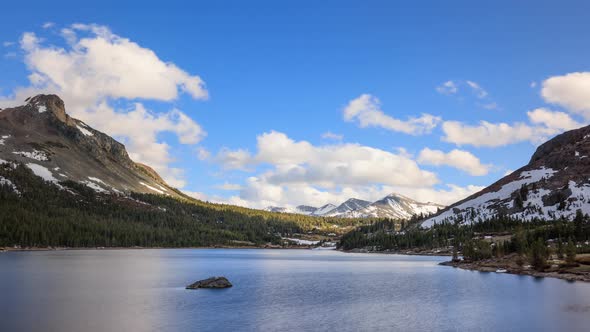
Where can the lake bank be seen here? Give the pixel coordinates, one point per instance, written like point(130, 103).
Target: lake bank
point(508, 264)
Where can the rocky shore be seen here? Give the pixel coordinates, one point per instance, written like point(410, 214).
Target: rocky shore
point(509, 264)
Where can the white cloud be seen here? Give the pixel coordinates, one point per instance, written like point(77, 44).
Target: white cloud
point(366, 111)
point(332, 136)
point(202, 153)
point(544, 124)
point(302, 173)
point(558, 121)
point(455, 87)
point(447, 88)
point(260, 194)
point(234, 159)
point(99, 67)
point(328, 165)
point(7, 43)
point(477, 89)
point(196, 194)
point(48, 25)
point(571, 91)
point(459, 159)
point(533, 84)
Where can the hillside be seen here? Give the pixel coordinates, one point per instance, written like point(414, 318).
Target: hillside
point(63, 183)
point(553, 185)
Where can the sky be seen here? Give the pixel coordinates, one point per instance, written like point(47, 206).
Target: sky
point(282, 103)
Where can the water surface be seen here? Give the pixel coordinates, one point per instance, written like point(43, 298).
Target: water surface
point(274, 290)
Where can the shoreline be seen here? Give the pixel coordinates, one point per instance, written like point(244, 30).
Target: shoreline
point(490, 265)
point(30, 249)
point(484, 266)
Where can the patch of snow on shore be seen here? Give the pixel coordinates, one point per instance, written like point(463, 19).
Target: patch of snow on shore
point(302, 242)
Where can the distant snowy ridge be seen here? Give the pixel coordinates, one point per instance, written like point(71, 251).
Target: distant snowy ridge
point(393, 206)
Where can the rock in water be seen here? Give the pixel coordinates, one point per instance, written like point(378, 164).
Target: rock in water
point(213, 282)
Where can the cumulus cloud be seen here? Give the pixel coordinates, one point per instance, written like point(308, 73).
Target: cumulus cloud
point(328, 165)
point(571, 91)
point(366, 111)
point(234, 159)
point(260, 194)
point(298, 172)
point(544, 124)
point(553, 120)
point(99, 67)
point(458, 159)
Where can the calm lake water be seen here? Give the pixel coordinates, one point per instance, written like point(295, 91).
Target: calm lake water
point(274, 290)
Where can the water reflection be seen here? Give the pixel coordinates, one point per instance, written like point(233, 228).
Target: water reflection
point(143, 290)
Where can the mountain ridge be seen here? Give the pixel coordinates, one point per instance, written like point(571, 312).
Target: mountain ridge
point(554, 184)
point(393, 206)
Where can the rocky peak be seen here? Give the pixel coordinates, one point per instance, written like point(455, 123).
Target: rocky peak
point(49, 103)
point(562, 150)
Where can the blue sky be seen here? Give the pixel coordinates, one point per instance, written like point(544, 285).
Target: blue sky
point(291, 69)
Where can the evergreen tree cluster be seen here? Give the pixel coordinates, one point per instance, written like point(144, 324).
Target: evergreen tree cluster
point(76, 216)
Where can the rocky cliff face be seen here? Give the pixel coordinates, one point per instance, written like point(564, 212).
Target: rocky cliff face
point(41, 135)
point(554, 184)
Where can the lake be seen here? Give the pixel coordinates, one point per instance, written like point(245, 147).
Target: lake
point(274, 290)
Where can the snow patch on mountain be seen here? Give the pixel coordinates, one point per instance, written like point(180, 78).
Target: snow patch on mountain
point(84, 131)
point(6, 182)
point(36, 155)
point(42, 172)
point(485, 205)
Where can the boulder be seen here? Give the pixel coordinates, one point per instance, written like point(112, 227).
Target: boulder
point(213, 282)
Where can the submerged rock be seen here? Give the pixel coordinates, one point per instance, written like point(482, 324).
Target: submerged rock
point(213, 282)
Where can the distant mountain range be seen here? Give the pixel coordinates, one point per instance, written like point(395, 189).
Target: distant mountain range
point(392, 206)
point(554, 184)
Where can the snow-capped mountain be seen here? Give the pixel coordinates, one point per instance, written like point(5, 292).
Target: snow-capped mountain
point(323, 210)
point(57, 147)
point(350, 205)
point(554, 184)
point(393, 206)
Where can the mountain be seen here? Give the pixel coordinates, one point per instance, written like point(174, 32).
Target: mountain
point(350, 205)
point(305, 209)
point(323, 210)
point(554, 184)
point(393, 206)
point(57, 147)
point(63, 183)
